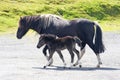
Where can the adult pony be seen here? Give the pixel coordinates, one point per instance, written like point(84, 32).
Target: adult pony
point(88, 31)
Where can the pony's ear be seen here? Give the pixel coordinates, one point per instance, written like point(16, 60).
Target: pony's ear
point(20, 18)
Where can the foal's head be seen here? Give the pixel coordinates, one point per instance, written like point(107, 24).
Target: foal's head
point(44, 39)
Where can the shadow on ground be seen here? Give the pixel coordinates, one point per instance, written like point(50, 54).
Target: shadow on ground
point(60, 68)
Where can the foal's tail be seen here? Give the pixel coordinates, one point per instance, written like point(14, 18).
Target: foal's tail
point(78, 41)
point(98, 43)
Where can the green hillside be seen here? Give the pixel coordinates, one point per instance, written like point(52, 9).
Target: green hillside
point(106, 12)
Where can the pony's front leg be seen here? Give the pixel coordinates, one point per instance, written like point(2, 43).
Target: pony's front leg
point(99, 60)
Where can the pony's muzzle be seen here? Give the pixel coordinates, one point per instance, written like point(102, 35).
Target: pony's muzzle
point(38, 46)
point(19, 37)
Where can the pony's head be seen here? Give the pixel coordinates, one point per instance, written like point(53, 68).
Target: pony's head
point(38, 23)
point(45, 39)
point(23, 28)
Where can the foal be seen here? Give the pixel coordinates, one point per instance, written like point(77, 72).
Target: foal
point(58, 44)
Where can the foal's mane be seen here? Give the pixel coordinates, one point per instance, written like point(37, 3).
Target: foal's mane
point(48, 37)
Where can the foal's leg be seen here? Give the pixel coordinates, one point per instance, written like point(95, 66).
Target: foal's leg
point(99, 60)
point(61, 56)
point(49, 58)
point(45, 53)
point(72, 56)
point(78, 55)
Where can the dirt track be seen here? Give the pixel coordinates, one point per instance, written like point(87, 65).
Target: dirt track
point(21, 60)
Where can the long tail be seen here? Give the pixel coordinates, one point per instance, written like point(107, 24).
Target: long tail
point(78, 41)
point(99, 46)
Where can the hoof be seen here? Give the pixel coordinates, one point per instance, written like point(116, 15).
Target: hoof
point(49, 65)
point(51, 61)
point(98, 66)
point(44, 67)
point(74, 64)
point(80, 66)
point(64, 67)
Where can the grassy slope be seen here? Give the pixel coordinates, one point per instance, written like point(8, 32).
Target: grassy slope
point(106, 12)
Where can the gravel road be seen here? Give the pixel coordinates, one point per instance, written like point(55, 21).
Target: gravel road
point(21, 60)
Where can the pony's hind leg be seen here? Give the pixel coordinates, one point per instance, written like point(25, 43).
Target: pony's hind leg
point(81, 55)
point(82, 49)
point(99, 60)
point(62, 58)
point(97, 54)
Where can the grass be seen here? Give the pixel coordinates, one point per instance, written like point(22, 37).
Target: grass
point(106, 12)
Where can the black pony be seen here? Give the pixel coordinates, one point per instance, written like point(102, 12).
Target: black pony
point(88, 31)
